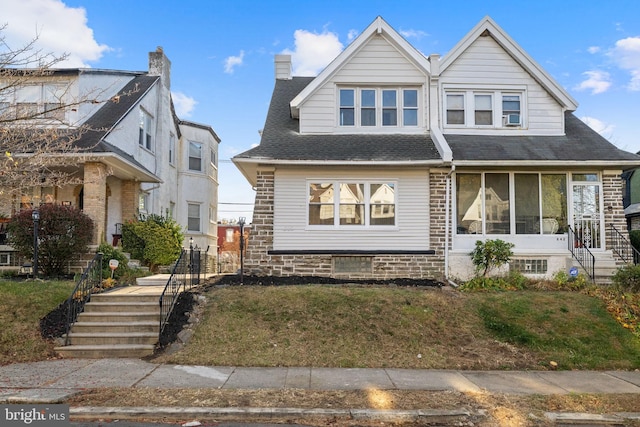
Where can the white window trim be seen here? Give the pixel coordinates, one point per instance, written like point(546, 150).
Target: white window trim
point(496, 97)
point(379, 127)
point(147, 130)
point(172, 149)
point(336, 204)
point(199, 204)
point(202, 165)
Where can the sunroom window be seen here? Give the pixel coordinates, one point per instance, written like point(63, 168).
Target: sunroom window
point(353, 204)
point(484, 204)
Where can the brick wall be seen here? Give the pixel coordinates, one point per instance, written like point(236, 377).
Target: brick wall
point(95, 198)
point(613, 210)
point(129, 194)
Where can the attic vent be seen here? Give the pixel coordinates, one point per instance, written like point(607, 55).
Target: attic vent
point(485, 33)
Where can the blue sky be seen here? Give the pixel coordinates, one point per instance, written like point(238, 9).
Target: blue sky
point(222, 52)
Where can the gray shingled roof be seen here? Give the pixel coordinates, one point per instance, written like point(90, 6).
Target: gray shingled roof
point(281, 139)
point(580, 143)
point(102, 122)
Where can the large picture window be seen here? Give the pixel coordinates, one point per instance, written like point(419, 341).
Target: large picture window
point(353, 204)
point(484, 204)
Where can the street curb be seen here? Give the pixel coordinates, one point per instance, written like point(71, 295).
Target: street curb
point(579, 418)
point(208, 413)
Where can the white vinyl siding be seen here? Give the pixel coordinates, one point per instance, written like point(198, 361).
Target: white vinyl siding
point(292, 232)
point(485, 65)
point(378, 64)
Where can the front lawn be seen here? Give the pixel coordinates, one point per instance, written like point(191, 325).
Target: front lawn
point(22, 305)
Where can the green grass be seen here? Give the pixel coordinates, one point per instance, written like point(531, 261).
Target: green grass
point(407, 328)
point(22, 305)
point(572, 329)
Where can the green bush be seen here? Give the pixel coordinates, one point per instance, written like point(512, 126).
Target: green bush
point(153, 239)
point(64, 233)
point(512, 282)
point(109, 253)
point(571, 283)
point(490, 254)
point(628, 278)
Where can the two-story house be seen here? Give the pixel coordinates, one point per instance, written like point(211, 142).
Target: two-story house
point(136, 156)
point(390, 164)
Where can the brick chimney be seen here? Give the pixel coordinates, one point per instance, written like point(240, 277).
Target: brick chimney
point(159, 65)
point(283, 67)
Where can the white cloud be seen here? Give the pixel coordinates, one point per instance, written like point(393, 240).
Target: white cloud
point(596, 82)
point(416, 34)
point(593, 49)
point(183, 104)
point(59, 30)
point(626, 54)
point(233, 61)
point(352, 34)
point(313, 51)
point(604, 129)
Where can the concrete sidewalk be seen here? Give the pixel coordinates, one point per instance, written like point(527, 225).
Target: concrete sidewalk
point(56, 380)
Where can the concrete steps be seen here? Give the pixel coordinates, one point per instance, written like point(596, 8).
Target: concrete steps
point(605, 267)
point(115, 325)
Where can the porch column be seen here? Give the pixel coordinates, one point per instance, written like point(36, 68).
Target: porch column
point(257, 260)
point(613, 209)
point(130, 192)
point(95, 198)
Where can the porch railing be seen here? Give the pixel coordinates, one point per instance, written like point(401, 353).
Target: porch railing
point(622, 247)
point(580, 251)
point(91, 279)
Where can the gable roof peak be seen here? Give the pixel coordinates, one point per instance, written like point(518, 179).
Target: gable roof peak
point(487, 26)
point(378, 27)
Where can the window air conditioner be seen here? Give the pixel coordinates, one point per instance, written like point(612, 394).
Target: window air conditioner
point(512, 120)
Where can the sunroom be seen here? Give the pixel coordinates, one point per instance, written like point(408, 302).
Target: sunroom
point(531, 209)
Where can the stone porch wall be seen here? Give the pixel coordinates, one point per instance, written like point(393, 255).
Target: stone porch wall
point(612, 184)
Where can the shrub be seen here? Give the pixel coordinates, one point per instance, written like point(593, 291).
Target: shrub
point(565, 281)
point(512, 282)
point(490, 254)
point(109, 253)
point(153, 239)
point(64, 232)
point(628, 278)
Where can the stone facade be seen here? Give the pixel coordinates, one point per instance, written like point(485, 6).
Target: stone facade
point(613, 209)
point(95, 198)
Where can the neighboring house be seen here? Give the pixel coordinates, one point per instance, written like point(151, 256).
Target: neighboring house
point(479, 144)
point(139, 157)
point(229, 247)
point(631, 200)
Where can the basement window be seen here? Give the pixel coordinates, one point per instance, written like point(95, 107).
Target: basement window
point(529, 266)
point(352, 264)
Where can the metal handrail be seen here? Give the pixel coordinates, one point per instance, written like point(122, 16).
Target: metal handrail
point(172, 288)
point(623, 247)
point(581, 253)
point(91, 279)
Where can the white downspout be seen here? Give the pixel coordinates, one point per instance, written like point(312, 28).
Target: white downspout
point(447, 209)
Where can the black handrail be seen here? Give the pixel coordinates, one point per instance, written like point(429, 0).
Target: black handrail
point(581, 253)
point(91, 279)
point(622, 247)
point(177, 280)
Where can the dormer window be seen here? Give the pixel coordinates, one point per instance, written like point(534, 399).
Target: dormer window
point(483, 109)
point(378, 108)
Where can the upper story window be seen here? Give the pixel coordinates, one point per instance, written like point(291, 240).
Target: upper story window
point(368, 108)
point(145, 138)
point(172, 149)
point(193, 217)
point(483, 109)
point(195, 156)
point(35, 101)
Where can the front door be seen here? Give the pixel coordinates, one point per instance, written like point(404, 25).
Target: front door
point(587, 214)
